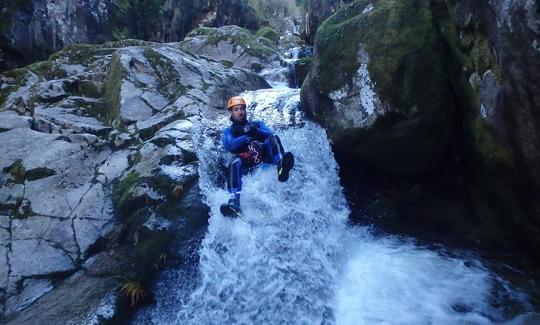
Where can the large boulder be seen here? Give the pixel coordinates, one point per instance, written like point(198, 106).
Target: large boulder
point(232, 45)
point(97, 142)
point(437, 98)
point(316, 11)
point(495, 72)
point(364, 87)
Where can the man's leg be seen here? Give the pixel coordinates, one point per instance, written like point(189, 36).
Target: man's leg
point(234, 181)
point(274, 148)
point(277, 155)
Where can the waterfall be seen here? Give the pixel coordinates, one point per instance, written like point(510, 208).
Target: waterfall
point(293, 259)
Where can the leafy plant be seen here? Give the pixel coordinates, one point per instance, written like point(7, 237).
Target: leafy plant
point(133, 291)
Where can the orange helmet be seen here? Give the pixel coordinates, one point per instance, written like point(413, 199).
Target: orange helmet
point(233, 101)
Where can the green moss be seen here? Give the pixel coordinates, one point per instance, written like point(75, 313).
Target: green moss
point(301, 68)
point(169, 78)
point(44, 69)
point(269, 33)
point(89, 88)
point(266, 42)
point(79, 53)
point(17, 171)
point(38, 173)
point(134, 159)
point(227, 64)
point(139, 19)
point(241, 39)
point(401, 42)
point(112, 96)
point(122, 191)
point(125, 43)
point(13, 80)
point(490, 151)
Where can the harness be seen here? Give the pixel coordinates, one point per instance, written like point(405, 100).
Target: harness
point(254, 153)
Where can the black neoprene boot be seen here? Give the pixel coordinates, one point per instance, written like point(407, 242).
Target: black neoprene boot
point(284, 167)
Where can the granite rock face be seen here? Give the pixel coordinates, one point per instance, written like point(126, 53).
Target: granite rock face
point(232, 44)
point(32, 30)
point(95, 144)
point(410, 89)
point(496, 72)
point(363, 86)
point(317, 11)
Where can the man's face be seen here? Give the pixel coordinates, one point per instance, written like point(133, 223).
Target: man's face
point(238, 113)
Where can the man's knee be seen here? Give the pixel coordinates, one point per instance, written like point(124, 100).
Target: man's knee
point(235, 163)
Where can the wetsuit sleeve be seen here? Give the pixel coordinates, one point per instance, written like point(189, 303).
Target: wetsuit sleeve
point(231, 143)
point(263, 130)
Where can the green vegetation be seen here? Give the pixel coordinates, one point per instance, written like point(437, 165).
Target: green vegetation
point(19, 174)
point(38, 173)
point(490, 151)
point(263, 10)
point(123, 190)
point(269, 33)
point(170, 81)
point(112, 94)
point(401, 42)
point(16, 79)
point(240, 38)
point(17, 171)
point(133, 291)
point(227, 64)
point(137, 19)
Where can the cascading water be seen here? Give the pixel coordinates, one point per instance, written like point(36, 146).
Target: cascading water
point(293, 259)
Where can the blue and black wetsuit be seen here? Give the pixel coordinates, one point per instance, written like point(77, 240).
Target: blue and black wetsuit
point(250, 148)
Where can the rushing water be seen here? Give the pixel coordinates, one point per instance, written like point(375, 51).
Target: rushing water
point(293, 259)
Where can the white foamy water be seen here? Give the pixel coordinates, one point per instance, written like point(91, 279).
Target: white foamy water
point(293, 259)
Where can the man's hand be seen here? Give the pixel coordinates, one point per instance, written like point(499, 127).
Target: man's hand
point(251, 128)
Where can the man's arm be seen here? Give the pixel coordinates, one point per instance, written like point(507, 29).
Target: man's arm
point(233, 144)
point(262, 130)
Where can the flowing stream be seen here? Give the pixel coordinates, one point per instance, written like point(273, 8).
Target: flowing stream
point(293, 259)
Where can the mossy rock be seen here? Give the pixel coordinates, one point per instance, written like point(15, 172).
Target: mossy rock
point(227, 64)
point(16, 171)
point(38, 173)
point(123, 190)
point(111, 109)
point(495, 184)
point(168, 77)
point(301, 68)
point(241, 39)
point(81, 53)
point(19, 174)
point(413, 136)
point(402, 44)
point(13, 80)
point(126, 43)
point(268, 33)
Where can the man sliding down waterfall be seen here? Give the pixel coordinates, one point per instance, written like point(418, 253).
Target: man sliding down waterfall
point(251, 143)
